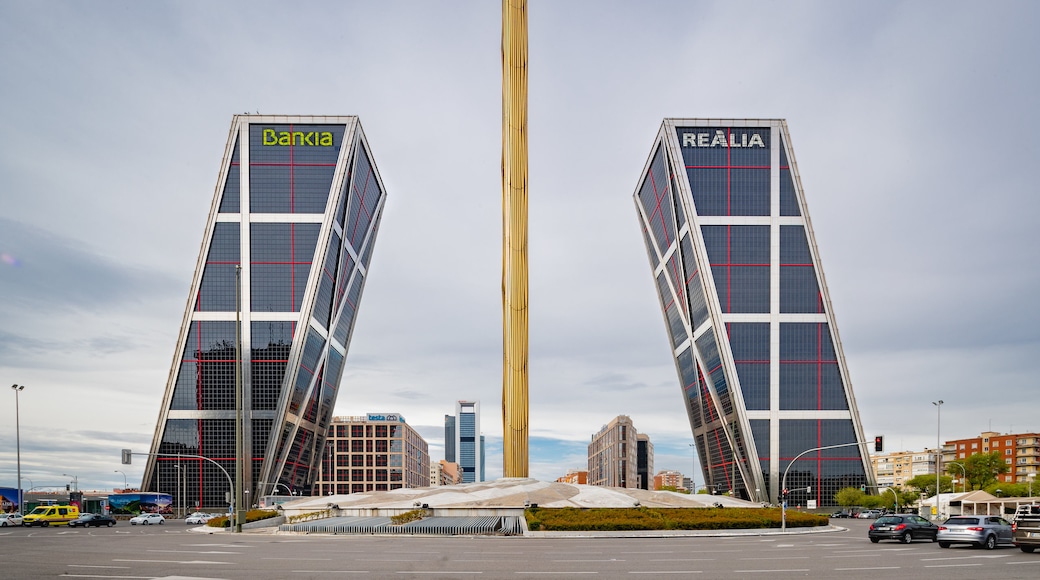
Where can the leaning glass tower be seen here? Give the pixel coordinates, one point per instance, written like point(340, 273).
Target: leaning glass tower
point(297, 207)
point(748, 315)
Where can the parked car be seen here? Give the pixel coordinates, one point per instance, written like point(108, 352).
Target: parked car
point(1026, 528)
point(198, 518)
point(979, 531)
point(11, 519)
point(902, 527)
point(147, 519)
point(869, 514)
point(96, 520)
point(841, 514)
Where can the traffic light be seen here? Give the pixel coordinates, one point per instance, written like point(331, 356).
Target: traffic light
point(879, 443)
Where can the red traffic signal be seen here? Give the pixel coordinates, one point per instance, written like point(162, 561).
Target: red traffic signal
point(879, 443)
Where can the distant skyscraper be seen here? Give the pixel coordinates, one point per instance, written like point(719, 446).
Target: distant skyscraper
point(644, 461)
point(297, 206)
point(467, 441)
point(482, 462)
point(449, 438)
point(747, 311)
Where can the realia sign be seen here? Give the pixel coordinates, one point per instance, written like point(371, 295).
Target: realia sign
point(720, 139)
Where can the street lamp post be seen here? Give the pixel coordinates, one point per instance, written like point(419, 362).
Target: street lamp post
point(964, 476)
point(18, 444)
point(783, 480)
point(938, 452)
point(693, 467)
point(1030, 478)
point(75, 481)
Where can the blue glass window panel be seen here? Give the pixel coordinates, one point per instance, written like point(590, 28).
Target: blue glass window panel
point(231, 197)
point(311, 186)
point(206, 376)
point(323, 302)
point(675, 324)
point(806, 342)
point(217, 289)
point(349, 310)
point(364, 195)
point(749, 192)
point(281, 255)
point(760, 434)
point(308, 366)
point(799, 292)
point(749, 342)
point(271, 342)
point(655, 197)
point(742, 289)
point(737, 245)
point(788, 196)
point(694, 288)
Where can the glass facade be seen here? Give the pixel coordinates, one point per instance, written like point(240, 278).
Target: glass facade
point(469, 443)
point(756, 350)
point(297, 258)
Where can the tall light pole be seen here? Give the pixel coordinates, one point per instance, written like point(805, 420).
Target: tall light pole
point(75, 481)
point(1030, 479)
point(124, 479)
point(693, 466)
point(18, 443)
point(964, 476)
point(938, 451)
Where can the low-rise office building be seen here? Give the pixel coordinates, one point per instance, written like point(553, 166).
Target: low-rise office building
point(373, 452)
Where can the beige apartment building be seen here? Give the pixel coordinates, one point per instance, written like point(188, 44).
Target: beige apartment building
point(896, 468)
point(373, 452)
point(445, 472)
point(669, 478)
point(619, 456)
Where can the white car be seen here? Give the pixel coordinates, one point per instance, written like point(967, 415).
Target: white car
point(11, 519)
point(147, 519)
point(197, 518)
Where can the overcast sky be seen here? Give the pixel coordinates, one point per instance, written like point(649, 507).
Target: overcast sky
point(914, 125)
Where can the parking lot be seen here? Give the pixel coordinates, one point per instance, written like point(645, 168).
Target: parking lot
point(171, 550)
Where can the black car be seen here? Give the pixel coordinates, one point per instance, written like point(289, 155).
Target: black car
point(903, 527)
point(95, 520)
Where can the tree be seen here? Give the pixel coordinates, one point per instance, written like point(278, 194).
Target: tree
point(983, 468)
point(849, 496)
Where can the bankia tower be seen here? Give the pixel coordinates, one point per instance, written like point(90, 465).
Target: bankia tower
point(291, 227)
point(747, 311)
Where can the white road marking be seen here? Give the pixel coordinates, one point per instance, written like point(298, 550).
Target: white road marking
point(872, 568)
point(771, 571)
point(173, 561)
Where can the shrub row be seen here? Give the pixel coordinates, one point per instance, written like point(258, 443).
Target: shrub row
point(251, 516)
point(409, 516)
point(644, 518)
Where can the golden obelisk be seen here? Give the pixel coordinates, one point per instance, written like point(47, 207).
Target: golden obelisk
point(514, 237)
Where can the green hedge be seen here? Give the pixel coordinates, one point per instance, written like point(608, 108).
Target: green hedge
point(251, 516)
point(643, 518)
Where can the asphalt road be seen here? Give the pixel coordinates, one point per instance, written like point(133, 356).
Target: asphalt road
point(171, 551)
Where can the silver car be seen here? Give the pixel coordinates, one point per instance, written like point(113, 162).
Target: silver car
point(979, 531)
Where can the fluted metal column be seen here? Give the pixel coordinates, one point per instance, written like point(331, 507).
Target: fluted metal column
point(514, 242)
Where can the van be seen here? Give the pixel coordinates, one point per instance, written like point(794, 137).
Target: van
point(51, 515)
